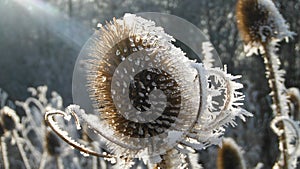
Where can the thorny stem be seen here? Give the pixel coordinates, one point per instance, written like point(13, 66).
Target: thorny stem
point(272, 79)
point(21, 150)
point(4, 153)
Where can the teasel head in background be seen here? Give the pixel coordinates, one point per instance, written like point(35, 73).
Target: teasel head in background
point(259, 22)
point(152, 101)
point(230, 155)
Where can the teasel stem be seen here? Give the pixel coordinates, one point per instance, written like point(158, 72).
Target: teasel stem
point(43, 160)
point(21, 150)
point(273, 78)
point(26, 108)
point(59, 163)
point(4, 153)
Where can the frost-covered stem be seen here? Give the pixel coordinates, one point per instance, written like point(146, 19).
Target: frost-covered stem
point(43, 160)
point(33, 150)
point(4, 153)
point(26, 104)
point(59, 163)
point(94, 162)
point(21, 150)
point(273, 78)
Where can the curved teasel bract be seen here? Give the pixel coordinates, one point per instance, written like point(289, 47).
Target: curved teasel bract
point(149, 97)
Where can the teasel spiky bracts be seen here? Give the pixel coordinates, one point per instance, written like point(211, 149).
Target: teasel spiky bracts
point(230, 156)
point(150, 99)
point(262, 27)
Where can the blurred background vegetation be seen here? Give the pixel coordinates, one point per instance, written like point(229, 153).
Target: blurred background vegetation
point(41, 39)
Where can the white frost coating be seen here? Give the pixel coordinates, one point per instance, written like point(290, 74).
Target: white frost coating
point(208, 56)
point(64, 135)
point(253, 48)
point(281, 28)
point(174, 136)
point(278, 77)
point(275, 24)
point(193, 161)
point(12, 114)
point(141, 26)
point(4, 153)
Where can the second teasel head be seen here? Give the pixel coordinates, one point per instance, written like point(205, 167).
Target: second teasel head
point(259, 22)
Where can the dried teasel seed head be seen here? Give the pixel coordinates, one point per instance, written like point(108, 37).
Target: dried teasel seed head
point(259, 21)
point(141, 84)
point(229, 156)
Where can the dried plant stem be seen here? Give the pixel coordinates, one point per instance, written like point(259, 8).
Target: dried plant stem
point(43, 160)
point(4, 153)
point(94, 162)
point(59, 163)
point(21, 150)
point(273, 79)
point(32, 149)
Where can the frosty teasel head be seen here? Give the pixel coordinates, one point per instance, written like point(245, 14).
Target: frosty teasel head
point(149, 97)
point(259, 21)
